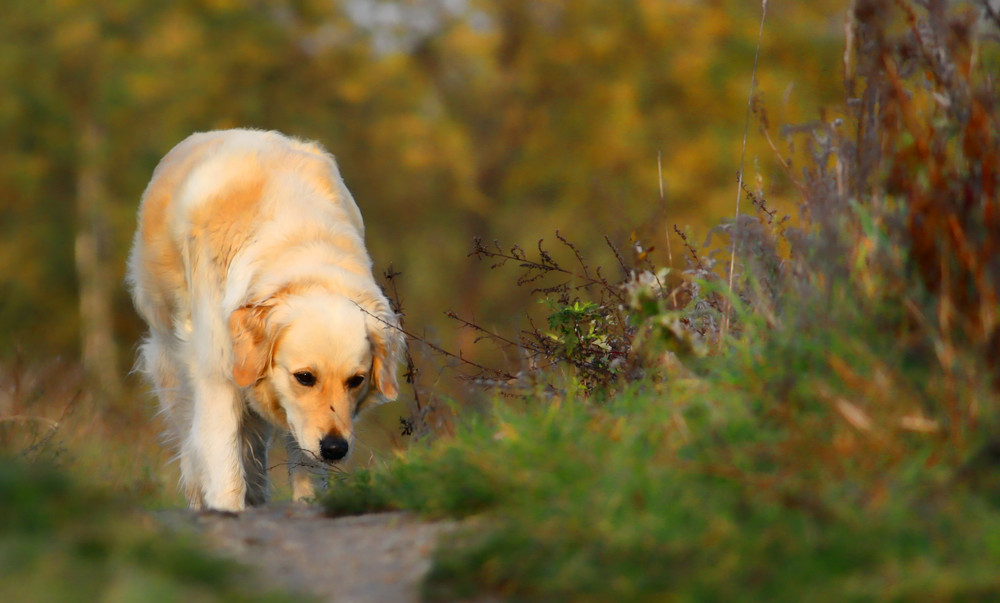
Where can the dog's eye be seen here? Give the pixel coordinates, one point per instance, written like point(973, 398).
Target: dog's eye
point(355, 381)
point(305, 378)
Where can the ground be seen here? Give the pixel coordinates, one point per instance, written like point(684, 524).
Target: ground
point(368, 558)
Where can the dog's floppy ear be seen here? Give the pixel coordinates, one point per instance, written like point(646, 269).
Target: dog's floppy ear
point(388, 344)
point(251, 343)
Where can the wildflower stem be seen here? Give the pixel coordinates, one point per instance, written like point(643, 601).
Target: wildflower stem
point(743, 154)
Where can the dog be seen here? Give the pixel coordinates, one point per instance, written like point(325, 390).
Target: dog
point(250, 268)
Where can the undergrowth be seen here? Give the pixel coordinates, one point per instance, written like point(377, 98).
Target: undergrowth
point(73, 477)
point(836, 440)
point(64, 541)
point(779, 471)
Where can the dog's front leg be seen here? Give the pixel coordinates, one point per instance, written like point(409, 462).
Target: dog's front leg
point(215, 443)
point(256, 437)
point(303, 471)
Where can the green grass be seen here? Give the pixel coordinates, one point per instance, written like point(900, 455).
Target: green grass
point(61, 541)
point(782, 470)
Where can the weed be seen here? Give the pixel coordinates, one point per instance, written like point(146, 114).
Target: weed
point(33, 408)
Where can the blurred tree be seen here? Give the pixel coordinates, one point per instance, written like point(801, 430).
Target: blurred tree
point(450, 118)
point(61, 77)
point(97, 85)
point(537, 116)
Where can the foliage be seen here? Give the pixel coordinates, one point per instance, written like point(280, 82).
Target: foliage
point(802, 466)
point(840, 441)
point(72, 480)
point(815, 460)
point(63, 541)
point(496, 120)
point(935, 182)
point(592, 336)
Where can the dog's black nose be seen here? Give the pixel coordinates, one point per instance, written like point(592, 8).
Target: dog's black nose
point(333, 448)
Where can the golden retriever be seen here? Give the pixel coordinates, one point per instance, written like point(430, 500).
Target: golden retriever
point(250, 268)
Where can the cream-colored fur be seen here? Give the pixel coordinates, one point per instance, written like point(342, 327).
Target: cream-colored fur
point(249, 267)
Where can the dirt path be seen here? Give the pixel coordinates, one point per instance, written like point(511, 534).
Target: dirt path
point(368, 558)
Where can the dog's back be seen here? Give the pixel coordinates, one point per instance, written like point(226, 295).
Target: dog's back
point(208, 201)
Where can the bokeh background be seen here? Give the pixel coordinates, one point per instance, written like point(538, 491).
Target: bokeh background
point(451, 119)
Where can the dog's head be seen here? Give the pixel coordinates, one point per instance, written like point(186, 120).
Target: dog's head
point(318, 359)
